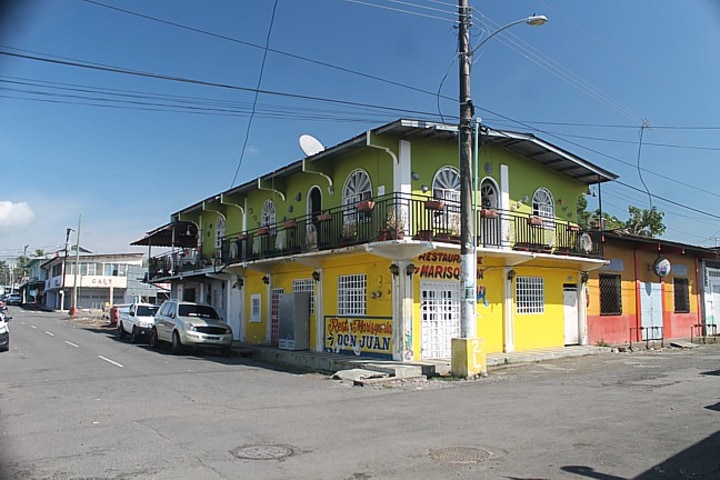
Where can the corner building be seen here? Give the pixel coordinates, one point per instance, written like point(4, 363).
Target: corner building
point(355, 249)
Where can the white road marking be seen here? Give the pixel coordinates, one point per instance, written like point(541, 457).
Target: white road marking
point(33, 326)
point(72, 344)
point(111, 361)
point(50, 333)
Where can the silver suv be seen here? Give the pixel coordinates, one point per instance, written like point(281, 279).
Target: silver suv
point(190, 324)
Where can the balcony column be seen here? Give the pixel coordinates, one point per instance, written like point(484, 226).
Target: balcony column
point(508, 327)
point(402, 301)
point(504, 207)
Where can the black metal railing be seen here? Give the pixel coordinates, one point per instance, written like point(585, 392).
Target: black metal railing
point(388, 218)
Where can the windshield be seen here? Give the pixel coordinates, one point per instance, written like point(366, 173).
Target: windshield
point(146, 311)
point(202, 311)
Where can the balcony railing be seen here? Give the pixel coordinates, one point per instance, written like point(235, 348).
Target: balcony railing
point(387, 218)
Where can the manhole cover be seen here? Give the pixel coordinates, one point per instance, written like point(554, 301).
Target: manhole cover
point(263, 452)
point(460, 455)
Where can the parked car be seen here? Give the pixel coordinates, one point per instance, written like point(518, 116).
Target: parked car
point(14, 299)
point(190, 324)
point(4, 333)
point(136, 320)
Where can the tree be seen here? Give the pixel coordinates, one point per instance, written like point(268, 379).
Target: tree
point(646, 223)
point(642, 222)
point(39, 253)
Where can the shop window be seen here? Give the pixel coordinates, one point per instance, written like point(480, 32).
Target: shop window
point(530, 294)
point(352, 295)
point(681, 290)
point(610, 294)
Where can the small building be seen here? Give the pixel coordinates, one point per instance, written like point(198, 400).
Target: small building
point(101, 279)
point(33, 287)
point(649, 290)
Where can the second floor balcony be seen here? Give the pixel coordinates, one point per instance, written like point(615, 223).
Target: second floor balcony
point(391, 218)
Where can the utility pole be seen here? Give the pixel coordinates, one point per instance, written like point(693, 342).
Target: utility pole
point(468, 261)
point(73, 306)
point(64, 268)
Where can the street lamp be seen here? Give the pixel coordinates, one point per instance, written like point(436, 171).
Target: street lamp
point(468, 252)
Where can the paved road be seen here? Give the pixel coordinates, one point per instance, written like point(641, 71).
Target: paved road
point(77, 403)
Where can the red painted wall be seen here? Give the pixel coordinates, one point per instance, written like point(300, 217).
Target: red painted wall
point(610, 328)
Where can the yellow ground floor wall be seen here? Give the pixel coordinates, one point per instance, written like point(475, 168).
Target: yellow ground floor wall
point(542, 329)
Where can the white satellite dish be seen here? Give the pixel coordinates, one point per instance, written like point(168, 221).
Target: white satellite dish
point(310, 145)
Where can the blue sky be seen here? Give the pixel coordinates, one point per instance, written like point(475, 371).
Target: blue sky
point(126, 151)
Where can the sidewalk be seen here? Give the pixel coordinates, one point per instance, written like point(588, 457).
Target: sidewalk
point(332, 362)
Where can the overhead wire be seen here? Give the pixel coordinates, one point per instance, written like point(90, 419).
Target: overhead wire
point(257, 94)
point(399, 10)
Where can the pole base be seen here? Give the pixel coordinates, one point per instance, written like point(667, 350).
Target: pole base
point(469, 358)
point(72, 312)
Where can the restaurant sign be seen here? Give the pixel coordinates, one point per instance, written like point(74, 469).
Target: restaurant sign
point(359, 336)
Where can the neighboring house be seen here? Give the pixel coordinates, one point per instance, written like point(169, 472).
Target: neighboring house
point(648, 291)
point(710, 291)
point(102, 279)
point(139, 290)
point(33, 287)
point(369, 229)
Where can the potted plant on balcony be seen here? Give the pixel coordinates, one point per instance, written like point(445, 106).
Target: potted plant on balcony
point(324, 217)
point(349, 234)
point(365, 206)
point(394, 227)
point(533, 220)
point(434, 204)
point(263, 231)
point(289, 224)
point(488, 213)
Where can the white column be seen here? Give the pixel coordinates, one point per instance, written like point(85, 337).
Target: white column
point(504, 206)
point(508, 327)
point(319, 313)
point(582, 310)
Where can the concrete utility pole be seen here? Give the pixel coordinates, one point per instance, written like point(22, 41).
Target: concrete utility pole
point(73, 307)
point(63, 269)
point(468, 262)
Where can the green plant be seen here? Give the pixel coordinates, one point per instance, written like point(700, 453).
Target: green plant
point(602, 343)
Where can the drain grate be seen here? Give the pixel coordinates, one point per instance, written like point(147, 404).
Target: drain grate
point(264, 452)
point(460, 454)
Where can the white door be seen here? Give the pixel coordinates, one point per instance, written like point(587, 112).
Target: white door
point(570, 311)
point(235, 309)
point(651, 311)
point(440, 317)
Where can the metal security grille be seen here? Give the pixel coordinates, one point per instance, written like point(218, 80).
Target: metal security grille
point(352, 295)
point(610, 294)
point(530, 294)
point(306, 285)
point(440, 317)
point(681, 290)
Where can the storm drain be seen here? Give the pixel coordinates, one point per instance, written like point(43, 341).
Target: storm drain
point(264, 452)
point(460, 454)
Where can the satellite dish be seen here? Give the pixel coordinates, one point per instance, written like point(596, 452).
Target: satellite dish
point(586, 243)
point(310, 145)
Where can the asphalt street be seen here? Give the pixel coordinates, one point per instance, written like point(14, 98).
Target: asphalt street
point(76, 402)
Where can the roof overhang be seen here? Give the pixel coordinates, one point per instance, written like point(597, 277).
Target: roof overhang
point(180, 234)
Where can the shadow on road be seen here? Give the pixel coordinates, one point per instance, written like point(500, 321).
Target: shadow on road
point(697, 462)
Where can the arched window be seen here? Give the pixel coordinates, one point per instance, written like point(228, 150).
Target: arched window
point(489, 194)
point(356, 189)
point(543, 206)
point(446, 186)
point(268, 216)
point(219, 232)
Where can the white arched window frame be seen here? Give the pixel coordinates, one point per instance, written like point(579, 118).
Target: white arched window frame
point(219, 232)
point(543, 206)
point(268, 216)
point(357, 188)
point(446, 186)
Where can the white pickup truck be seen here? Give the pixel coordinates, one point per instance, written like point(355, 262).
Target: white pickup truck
point(136, 320)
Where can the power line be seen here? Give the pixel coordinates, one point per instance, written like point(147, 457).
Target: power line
point(261, 47)
point(255, 98)
point(409, 12)
point(205, 83)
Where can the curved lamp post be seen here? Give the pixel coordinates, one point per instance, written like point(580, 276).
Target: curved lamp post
point(468, 247)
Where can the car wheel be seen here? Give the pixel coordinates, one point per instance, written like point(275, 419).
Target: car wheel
point(134, 337)
point(176, 344)
point(121, 330)
point(153, 341)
